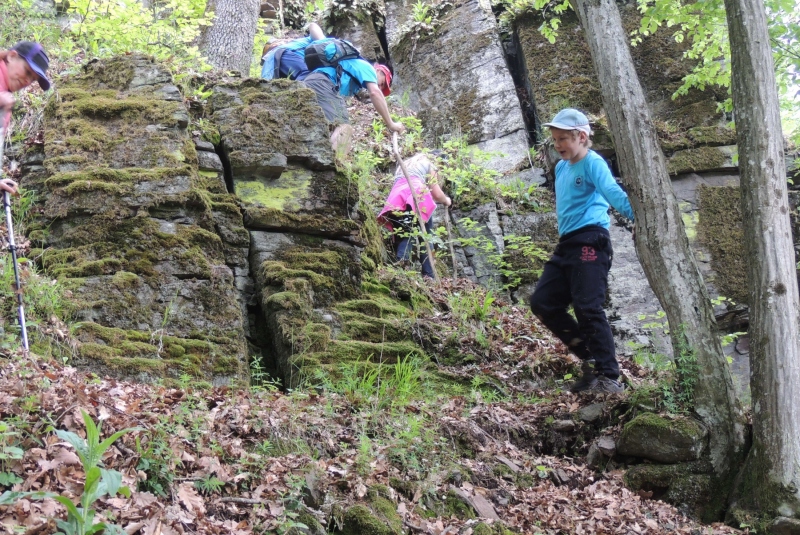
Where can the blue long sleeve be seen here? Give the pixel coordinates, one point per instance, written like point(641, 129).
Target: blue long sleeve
point(584, 191)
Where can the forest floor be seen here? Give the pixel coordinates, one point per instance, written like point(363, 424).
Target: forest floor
point(254, 459)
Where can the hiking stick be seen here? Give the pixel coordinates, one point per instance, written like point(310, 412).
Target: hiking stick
point(11, 245)
point(416, 205)
point(450, 242)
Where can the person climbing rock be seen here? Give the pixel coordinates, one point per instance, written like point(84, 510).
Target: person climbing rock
point(398, 214)
point(289, 57)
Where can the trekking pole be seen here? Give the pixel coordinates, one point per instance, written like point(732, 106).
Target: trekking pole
point(450, 242)
point(11, 244)
point(416, 205)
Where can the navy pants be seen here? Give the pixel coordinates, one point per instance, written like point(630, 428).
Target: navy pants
point(405, 224)
point(577, 274)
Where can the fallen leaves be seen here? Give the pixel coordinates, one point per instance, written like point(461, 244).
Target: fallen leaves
point(273, 453)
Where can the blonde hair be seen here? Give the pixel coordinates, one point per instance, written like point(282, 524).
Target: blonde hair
point(588, 142)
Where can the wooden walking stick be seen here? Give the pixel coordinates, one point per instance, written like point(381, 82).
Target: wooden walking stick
point(450, 242)
point(416, 205)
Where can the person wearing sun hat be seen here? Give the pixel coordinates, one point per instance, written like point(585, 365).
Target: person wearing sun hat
point(577, 273)
point(25, 63)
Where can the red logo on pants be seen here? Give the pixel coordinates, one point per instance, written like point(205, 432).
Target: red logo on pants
point(588, 254)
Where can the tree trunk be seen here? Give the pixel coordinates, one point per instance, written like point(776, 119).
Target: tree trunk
point(661, 241)
point(770, 479)
point(228, 42)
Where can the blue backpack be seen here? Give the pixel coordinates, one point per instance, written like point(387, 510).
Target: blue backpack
point(320, 54)
point(271, 62)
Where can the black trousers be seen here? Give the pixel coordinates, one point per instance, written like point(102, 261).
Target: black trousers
point(577, 274)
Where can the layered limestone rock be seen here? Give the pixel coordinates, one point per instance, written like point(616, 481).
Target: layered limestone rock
point(146, 242)
point(311, 250)
point(561, 74)
point(277, 143)
point(456, 78)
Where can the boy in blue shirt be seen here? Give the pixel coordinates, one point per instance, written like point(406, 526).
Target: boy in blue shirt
point(577, 273)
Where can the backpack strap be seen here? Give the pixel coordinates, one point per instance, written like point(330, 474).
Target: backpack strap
point(278, 53)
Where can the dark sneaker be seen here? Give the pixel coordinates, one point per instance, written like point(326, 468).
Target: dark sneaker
point(587, 380)
point(607, 385)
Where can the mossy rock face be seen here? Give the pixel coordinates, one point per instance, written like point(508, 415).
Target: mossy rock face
point(688, 486)
point(268, 123)
point(145, 242)
point(319, 312)
point(720, 231)
point(701, 159)
point(561, 75)
point(319, 203)
point(654, 437)
point(361, 520)
point(456, 78)
point(276, 140)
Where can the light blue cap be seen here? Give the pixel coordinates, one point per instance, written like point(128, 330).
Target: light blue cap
point(570, 119)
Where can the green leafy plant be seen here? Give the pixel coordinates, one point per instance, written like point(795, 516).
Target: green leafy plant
point(8, 452)
point(469, 181)
point(209, 484)
point(99, 482)
point(421, 12)
point(378, 130)
point(550, 11)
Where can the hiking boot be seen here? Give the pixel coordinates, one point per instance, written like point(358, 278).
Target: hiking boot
point(588, 378)
point(606, 385)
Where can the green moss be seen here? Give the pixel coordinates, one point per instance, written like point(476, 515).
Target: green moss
point(370, 286)
point(720, 231)
point(304, 517)
point(96, 351)
point(108, 74)
point(375, 306)
point(371, 235)
point(697, 159)
point(330, 271)
point(455, 506)
point(356, 350)
point(285, 301)
point(176, 351)
point(648, 420)
point(404, 486)
point(124, 351)
point(358, 326)
point(137, 109)
point(686, 485)
point(525, 480)
point(93, 187)
point(759, 498)
point(285, 193)
point(274, 218)
point(136, 365)
point(386, 510)
point(712, 135)
point(226, 365)
point(359, 520)
point(127, 348)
